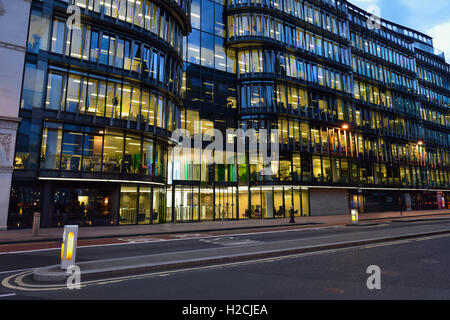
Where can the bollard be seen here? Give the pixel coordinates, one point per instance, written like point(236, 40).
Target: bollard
point(69, 246)
point(36, 224)
point(355, 217)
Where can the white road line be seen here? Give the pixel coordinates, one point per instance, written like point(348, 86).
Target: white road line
point(18, 270)
point(26, 251)
point(7, 295)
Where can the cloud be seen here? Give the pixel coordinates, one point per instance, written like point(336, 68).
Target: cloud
point(441, 38)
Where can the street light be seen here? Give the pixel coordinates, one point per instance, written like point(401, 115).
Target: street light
point(345, 126)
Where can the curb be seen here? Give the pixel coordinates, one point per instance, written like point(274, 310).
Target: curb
point(50, 275)
point(369, 224)
point(421, 220)
point(405, 217)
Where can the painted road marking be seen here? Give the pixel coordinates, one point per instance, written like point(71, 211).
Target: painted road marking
point(7, 295)
point(229, 241)
point(138, 240)
point(18, 270)
point(191, 235)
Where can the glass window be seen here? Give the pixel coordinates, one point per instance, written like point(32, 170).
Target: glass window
point(76, 42)
point(219, 26)
point(160, 115)
point(128, 203)
point(145, 106)
point(207, 16)
point(194, 47)
point(219, 56)
point(104, 49)
point(207, 51)
point(152, 111)
point(54, 90)
point(327, 173)
point(92, 153)
point(33, 83)
point(160, 158)
point(51, 147)
point(71, 151)
point(132, 158)
point(92, 96)
point(113, 151)
point(38, 32)
point(195, 14)
point(317, 169)
point(231, 60)
point(112, 50)
point(73, 99)
point(127, 102)
point(119, 54)
point(94, 46)
point(147, 157)
point(159, 196)
point(136, 58)
point(86, 42)
point(145, 194)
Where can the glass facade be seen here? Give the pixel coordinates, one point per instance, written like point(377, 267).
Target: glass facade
point(100, 100)
point(362, 110)
point(345, 100)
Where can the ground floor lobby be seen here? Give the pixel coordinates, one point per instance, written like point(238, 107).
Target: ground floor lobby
point(116, 204)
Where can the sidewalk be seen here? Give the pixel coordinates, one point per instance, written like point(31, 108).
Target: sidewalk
point(55, 234)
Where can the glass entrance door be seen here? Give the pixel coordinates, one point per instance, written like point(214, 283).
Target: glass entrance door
point(186, 203)
point(225, 204)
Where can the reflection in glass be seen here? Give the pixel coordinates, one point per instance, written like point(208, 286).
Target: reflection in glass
point(128, 203)
point(51, 147)
point(71, 151)
point(113, 152)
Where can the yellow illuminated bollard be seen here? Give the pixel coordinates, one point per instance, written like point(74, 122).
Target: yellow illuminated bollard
point(69, 246)
point(355, 217)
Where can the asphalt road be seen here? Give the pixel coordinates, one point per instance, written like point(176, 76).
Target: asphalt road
point(411, 269)
point(150, 245)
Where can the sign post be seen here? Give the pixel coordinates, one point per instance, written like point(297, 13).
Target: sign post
point(69, 246)
point(36, 224)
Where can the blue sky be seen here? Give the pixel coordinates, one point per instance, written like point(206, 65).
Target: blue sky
point(429, 17)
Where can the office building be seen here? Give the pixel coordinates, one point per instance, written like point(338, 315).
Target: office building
point(362, 111)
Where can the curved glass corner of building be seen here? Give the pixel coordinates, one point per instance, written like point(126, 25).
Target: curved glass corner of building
point(100, 99)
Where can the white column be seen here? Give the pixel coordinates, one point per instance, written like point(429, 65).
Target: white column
point(8, 128)
point(5, 181)
point(14, 15)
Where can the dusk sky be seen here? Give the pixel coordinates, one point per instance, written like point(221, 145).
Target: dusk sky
point(429, 17)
